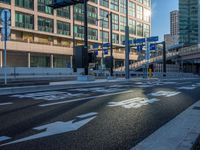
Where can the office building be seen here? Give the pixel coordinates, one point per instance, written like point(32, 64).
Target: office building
point(189, 24)
point(42, 37)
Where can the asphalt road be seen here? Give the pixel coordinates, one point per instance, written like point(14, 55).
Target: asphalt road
point(115, 116)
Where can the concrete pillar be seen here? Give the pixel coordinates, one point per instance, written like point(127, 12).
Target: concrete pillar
point(1, 59)
point(71, 61)
point(51, 63)
point(29, 60)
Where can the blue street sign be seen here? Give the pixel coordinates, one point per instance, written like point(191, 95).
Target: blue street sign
point(105, 51)
point(137, 41)
point(131, 42)
point(139, 48)
point(96, 45)
point(152, 47)
point(106, 44)
point(153, 39)
point(96, 53)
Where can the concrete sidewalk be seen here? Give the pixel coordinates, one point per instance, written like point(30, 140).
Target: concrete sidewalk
point(178, 134)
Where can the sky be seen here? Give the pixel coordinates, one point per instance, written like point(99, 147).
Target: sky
point(161, 16)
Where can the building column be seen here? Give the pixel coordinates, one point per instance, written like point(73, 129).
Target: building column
point(51, 63)
point(1, 59)
point(71, 61)
point(29, 60)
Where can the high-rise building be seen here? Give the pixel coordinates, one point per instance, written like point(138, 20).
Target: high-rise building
point(174, 23)
point(189, 22)
point(42, 37)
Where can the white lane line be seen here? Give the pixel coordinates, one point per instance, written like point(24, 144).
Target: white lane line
point(86, 98)
point(4, 138)
point(133, 103)
point(178, 134)
point(187, 88)
point(3, 104)
point(165, 93)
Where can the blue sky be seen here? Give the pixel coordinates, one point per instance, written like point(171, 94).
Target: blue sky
point(161, 16)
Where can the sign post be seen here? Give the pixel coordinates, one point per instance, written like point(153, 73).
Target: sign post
point(5, 31)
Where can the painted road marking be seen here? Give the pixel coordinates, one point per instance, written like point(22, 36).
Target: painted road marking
point(4, 138)
point(49, 96)
point(165, 93)
point(58, 127)
point(133, 103)
point(187, 88)
point(3, 104)
point(98, 89)
point(86, 98)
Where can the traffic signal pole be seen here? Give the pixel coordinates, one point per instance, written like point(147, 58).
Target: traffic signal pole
point(127, 47)
point(111, 46)
point(164, 59)
point(86, 36)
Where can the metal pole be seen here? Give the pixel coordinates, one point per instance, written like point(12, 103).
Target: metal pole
point(127, 48)
point(102, 57)
point(86, 37)
point(164, 59)
point(5, 39)
point(111, 46)
point(74, 61)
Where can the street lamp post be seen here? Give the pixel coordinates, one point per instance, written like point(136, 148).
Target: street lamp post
point(111, 46)
point(127, 47)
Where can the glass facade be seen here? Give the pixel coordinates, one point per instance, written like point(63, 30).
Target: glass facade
point(64, 12)
point(188, 22)
point(63, 28)
point(45, 24)
point(42, 6)
point(29, 4)
point(24, 20)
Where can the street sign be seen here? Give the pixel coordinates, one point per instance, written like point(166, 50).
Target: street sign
point(106, 44)
point(139, 48)
point(105, 51)
point(3, 31)
point(96, 53)
point(96, 45)
point(153, 39)
point(142, 40)
point(3, 14)
point(131, 42)
point(152, 46)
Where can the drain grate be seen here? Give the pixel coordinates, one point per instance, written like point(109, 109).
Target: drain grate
point(196, 107)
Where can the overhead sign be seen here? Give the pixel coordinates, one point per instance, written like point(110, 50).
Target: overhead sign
point(105, 51)
point(58, 127)
point(106, 44)
point(142, 40)
point(139, 48)
point(96, 45)
point(153, 39)
point(152, 47)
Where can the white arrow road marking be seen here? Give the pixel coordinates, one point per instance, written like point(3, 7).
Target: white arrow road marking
point(4, 138)
point(187, 88)
point(58, 127)
point(9, 103)
point(165, 93)
point(133, 103)
point(49, 96)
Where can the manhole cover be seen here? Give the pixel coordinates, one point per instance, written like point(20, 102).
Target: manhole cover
point(196, 108)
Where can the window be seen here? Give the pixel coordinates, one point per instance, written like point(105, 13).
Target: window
point(147, 15)
point(122, 38)
point(139, 12)
point(115, 22)
point(5, 1)
point(79, 31)
point(105, 36)
point(147, 2)
point(140, 1)
point(114, 5)
point(64, 12)
point(146, 30)
point(122, 23)
point(78, 12)
point(45, 24)
point(63, 28)
point(92, 14)
point(115, 38)
point(139, 29)
point(94, 1)
point(123, 6)
point(131, 9)
point(104, 3)
point(29, 4)
point(104, 16)
point(92, 34)
point(132, 26)
point(42, 6)
point(24, 20)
